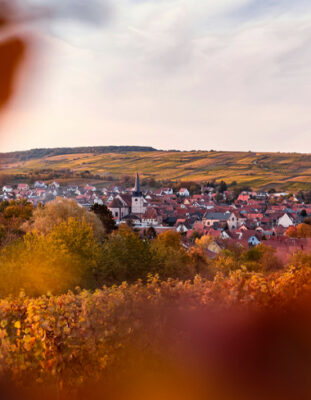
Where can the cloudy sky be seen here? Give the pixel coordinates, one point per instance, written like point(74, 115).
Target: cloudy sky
point(173, 74)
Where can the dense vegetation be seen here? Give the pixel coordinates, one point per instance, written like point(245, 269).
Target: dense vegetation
point(172, 338)
point(59, 246)
point(90, 311)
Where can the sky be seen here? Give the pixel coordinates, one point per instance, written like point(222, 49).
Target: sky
point(172, 74)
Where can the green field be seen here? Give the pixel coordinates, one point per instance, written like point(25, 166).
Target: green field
point(288, 171)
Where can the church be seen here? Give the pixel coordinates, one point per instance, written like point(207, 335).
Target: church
point(138, 207)
point(126, 207)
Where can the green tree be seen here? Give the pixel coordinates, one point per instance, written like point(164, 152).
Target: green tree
point(222, 187)
point(105, 215)
point(66, 257)
point(171, 258)
point(126, 257)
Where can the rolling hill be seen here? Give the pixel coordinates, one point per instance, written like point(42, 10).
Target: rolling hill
point(288, 171)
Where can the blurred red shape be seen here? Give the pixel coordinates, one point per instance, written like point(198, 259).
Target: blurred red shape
point(12, 52)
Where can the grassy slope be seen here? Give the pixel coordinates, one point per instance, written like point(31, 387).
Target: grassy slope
point(259, 170)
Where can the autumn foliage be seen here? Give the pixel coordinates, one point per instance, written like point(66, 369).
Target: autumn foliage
point(66, 343)
point(300, 231)
point(88, 315)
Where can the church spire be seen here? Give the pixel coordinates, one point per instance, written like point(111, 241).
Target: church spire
point(137, 190)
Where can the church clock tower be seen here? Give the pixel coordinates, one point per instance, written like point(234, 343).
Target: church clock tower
point(138, 206)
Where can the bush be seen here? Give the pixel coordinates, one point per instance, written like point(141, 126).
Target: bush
point(66, 257)
point(59, 210)
point(126, 257)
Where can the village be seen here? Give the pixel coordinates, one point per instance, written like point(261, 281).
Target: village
point(250, 219)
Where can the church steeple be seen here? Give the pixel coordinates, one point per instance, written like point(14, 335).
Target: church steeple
point(138, 206)
point(137, 191)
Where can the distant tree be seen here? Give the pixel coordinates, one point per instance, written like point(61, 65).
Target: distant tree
point(204, 242)
point(219, 197)
point(127, 180)
point(193, 187)
point(169, 239)
point(171, 260)
point(13, 214)
point(291, 231)
point(299, 231)
point(59, 210)
point(304, 231)
point(105, 215)
point(261, 258)
point(4, 179)
point(125, 257)
point(195, 235)
point(300, 196)
point(222, 187)
point(66, 257)
point(152, 183)
point(151, 233)
point(21, 209)
point(307, 220)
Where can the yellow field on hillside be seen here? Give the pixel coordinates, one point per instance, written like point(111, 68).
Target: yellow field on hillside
point(258, 170)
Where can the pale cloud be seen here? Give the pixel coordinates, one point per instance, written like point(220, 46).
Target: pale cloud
point(225, 74)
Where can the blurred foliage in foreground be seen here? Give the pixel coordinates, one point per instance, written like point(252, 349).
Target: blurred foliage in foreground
point(171, 338)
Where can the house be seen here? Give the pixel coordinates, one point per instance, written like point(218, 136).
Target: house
point(40, 185)
point(167, 190)
point(224, 235)
point(210, 218)
point(151, 217)
point(183, 225)
point(98, 200)
point(119, 208)
point(232, 221)
point(253, 241)
point(163, 191)
point(54, 185)
point(23, 186)
point(90, 188)
point(215, 247)
point(158, 192)
point(7, 189)
point(184, 192)
point(285, 221)
point(181, 228)
point(244, 197)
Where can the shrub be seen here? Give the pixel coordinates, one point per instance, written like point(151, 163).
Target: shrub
point(59, 210)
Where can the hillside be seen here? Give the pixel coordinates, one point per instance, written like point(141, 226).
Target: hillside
point(290, 171)
point(58, 151)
